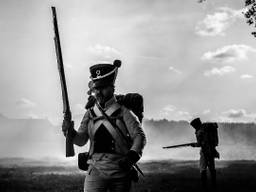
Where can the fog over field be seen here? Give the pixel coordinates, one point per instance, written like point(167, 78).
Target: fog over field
point(185, 58)
point(236, 140)
point(38, 138)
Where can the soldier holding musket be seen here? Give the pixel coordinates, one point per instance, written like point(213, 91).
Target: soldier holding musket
point(207, 139)
point(115, 134)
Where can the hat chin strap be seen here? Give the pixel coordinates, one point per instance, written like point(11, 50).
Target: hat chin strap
point(103, 76)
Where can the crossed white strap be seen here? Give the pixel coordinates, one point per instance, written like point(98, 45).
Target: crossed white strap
point(121, 143)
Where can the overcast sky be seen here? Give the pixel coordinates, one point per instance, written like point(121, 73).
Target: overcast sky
point(186, 58)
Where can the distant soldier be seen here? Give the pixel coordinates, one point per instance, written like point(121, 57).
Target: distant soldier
point(207, 139)
point(115, 134)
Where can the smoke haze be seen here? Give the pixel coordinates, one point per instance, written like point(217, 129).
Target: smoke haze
point(38, 138)
point(236, 140)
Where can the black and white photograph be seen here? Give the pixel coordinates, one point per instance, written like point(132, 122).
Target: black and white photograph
point(127, 95)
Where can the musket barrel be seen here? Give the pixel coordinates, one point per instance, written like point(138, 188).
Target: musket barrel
point(66, 108)
point(180, 145)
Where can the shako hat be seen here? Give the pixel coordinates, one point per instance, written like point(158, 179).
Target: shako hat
point(196, 123)
point(104, 74)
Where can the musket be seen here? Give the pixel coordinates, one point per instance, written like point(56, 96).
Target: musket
point(66, 108)
point(181, 145)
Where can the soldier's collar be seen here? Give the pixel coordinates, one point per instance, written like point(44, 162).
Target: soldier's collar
point(110, 102)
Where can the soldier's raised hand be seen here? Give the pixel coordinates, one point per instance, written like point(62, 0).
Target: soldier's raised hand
point(66, 126)
point(129, 160)
point(195, 145)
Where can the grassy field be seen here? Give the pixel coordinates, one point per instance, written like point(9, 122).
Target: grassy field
point(162, 176)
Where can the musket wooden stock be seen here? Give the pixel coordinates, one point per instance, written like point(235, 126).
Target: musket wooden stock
point(66, 108)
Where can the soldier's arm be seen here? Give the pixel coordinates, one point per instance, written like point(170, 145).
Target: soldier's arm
point(199, 137)
point(135, 130)
point(195, 145)
point(82, 135)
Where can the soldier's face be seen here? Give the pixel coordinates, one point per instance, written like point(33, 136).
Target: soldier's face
point(103, 94)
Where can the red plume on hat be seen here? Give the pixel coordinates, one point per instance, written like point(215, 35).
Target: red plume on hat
point(104, 74)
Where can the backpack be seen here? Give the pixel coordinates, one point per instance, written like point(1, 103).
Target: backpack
point(132, 101)
point(211, 133)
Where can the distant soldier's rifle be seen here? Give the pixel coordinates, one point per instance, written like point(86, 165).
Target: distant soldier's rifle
point(181, 145)
point(66, 108)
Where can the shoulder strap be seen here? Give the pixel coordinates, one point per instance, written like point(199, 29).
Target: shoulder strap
point(112, 123)
point(92, 113)
point(117, 129)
